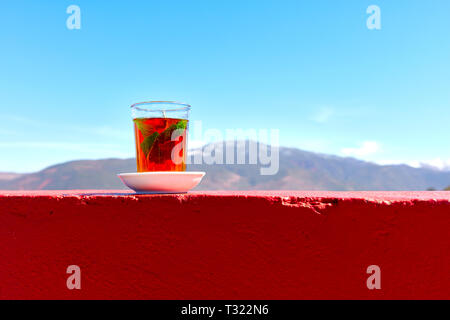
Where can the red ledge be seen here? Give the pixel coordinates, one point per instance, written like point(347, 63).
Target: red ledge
point(224, 245)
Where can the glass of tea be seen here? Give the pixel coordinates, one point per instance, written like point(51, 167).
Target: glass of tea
point(160, 130)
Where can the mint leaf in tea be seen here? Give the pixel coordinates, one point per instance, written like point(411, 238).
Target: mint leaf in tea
point(157, 141)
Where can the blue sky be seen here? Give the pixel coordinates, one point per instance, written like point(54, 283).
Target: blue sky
point(311, 69)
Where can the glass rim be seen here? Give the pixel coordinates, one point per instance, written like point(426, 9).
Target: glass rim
point(184, 106)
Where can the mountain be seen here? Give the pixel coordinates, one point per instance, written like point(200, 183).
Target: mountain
point(9, 175)
point(81, 174)
point(298, 169)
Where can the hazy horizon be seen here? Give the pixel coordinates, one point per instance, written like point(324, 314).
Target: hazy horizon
point(190, 150)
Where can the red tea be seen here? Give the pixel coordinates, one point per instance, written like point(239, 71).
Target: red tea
point(160, 144)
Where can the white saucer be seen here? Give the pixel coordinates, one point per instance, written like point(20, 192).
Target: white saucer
point(162, 181)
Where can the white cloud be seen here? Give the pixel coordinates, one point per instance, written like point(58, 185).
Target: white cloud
point(414, 164)
point(365, 149)
point(67, 146)
point(323, 115)
point(7, 132)
point(99, 131)
point(14, 118)
point(436, 163)
point(103, 131)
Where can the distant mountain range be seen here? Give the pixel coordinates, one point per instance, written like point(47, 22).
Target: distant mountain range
point(9, 175)
point(298, 170)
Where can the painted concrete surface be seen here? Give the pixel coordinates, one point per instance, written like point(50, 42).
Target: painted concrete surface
point(224, 245)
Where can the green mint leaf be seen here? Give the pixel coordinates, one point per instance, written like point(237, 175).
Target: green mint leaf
point(167, 134)
point(147, 144)
point(182, 124)
point(145, 131)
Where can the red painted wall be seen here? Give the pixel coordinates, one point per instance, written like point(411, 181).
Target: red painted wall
point(246, 245)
